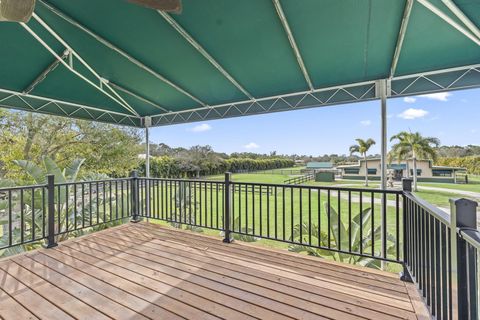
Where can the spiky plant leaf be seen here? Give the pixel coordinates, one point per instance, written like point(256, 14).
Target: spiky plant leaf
point(36, 172)
point(72, 170)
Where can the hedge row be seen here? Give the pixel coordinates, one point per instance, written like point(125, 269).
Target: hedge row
point(472, 164)
point(166, 166)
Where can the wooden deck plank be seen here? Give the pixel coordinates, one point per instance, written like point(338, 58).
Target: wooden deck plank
point(10, 309)
point(282, 254)
point(146, 271)
point(107, 289)
point(393, 298)
point(161, 299)
point(97, 301)
point(231, 298)
point(195, 273)
point(354, 276)
point(68, 303)
point(252, 276)
point(30, 300)
point(198, 297)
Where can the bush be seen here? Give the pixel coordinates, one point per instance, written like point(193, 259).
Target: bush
point(472, 164)
point(172, 167)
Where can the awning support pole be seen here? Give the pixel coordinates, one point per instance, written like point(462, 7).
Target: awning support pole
point(147, 122)
point(382, 92)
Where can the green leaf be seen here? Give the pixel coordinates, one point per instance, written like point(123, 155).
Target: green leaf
point(37, 173)
point(71, 171)
point(335, 226)
point(52, 168)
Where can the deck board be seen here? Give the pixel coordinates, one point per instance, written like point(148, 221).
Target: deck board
point(145, 271)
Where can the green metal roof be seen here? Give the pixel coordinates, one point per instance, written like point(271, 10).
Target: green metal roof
point(321, 165)
point(227, 58)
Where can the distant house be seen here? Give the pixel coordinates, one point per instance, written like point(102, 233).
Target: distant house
point(426, 171)
point(319, 165)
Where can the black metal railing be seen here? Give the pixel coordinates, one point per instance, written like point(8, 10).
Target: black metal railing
point(441, 252)
point(318, 219)
point(52, 211)
point(22, 215)
point(468, 253)
point(197, 203)
point(438, 251)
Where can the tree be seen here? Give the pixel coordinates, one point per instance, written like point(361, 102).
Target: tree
point(414, 145)
point(107, 149)
point(362, 148)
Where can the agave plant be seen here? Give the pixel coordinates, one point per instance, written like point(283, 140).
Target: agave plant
point(364, 243)
point(183, 203)
point(71, 205)
point(243, 236)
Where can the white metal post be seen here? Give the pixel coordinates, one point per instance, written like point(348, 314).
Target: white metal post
point(382, 91)
point(384, 142)
point(147, 153)
point(147, 122)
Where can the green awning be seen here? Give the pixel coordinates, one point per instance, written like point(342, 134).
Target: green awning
point(228, 58)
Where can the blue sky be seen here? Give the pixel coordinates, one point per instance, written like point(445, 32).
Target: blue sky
point(452, 117)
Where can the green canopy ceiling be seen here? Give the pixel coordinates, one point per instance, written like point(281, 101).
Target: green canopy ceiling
point(121, 62)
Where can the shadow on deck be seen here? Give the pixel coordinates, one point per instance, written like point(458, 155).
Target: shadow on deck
point(145, 271)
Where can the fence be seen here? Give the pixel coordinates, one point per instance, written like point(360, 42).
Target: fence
point(300, 179)
point(51, 211)
point(438, 251)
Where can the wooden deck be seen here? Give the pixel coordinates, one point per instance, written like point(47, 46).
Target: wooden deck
point(144, 271)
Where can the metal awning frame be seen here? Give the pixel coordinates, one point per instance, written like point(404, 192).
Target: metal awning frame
point(364, 91)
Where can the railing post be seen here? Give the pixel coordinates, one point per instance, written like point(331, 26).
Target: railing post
point(463, 214)
point(51, 211)
point(134, 192)
point(406, 187)
point(227, 221)
point(407, 184)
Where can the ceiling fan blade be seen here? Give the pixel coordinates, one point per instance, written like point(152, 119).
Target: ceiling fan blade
point(174, 6)
point(16, 10)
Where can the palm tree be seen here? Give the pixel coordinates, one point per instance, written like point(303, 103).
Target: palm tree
point(362, 148)
point(414, 145)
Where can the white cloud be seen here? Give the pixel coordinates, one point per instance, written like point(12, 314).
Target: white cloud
point(474, 131)
point(251, 145)
point(365, 123)
point(201, 128)
point(412, 113)
point(440, 96)
point(409, 99)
